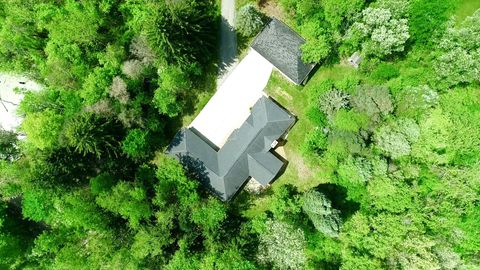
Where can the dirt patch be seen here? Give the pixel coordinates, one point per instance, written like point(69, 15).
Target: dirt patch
point(254, 187)
point(272, 9)
point(304, 172)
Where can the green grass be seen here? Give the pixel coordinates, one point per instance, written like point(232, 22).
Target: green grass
point(241, 3)
point(466, 8)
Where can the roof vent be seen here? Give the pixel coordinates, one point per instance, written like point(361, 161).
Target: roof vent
point(274, 144)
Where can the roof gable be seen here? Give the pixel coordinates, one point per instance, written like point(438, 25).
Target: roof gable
point(281, 46)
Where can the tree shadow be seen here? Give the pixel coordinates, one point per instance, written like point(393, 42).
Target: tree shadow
point(227, 47)
point(338, 195)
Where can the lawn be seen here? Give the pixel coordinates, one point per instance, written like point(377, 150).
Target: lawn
point(465, 9)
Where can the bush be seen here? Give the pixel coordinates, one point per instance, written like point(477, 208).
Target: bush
point(385, 72)
point(249, 20)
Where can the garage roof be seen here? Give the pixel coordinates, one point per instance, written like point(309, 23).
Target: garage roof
point(281, 46)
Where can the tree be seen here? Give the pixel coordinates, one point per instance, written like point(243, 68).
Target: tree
point(459, 59)
point(282, 246)
point(374, 101)
point(8, 145)
point(43, 128)
point(180, 32)
point(209, 215)
point(318, 45)
point(332, 101)
point(136, 143)
point(324, 217)
point(396, 138)
point(316, 50)
point(381, 33)
point(249, 20)
point(89, 134)
point(119, 90)
point(341, 13)
point(127, 200)
point(173, 84)
point(415, 101)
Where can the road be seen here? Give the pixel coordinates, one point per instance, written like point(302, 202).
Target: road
point(228, 40)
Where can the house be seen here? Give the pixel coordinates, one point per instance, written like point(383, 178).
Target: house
point(246, 154)
point(281, 46)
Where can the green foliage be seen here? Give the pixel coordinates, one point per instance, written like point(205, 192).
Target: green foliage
point(118, 77)
point(282, 246)
point(316, 50)
point(173, 84)
point(88, 134)
point(324, 217)
point(374, 101)
point(136, 144)
point(381, 32)
point(395, 139)
point(349, 121)
point(427, 18)
point(210, 215)
point(318, 47)
point(315, 142)
point(181, 32)
point(459, 58)
point(101, 183)
point(341, 13)
point(8, 145)
point(128, 201)
point(43, 128)
point(332, 101)
point(415, 101)
point(385, 72)
point(249, 21)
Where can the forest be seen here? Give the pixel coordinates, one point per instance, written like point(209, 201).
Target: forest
point(384, 161)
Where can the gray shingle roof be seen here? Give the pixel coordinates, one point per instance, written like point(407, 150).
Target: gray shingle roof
point(280, 45)
point(246, 152)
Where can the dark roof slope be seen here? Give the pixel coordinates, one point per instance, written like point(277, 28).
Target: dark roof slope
point(280, 45)
point(246, 152)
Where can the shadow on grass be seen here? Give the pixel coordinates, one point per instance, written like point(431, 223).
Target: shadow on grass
point(338, 195)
